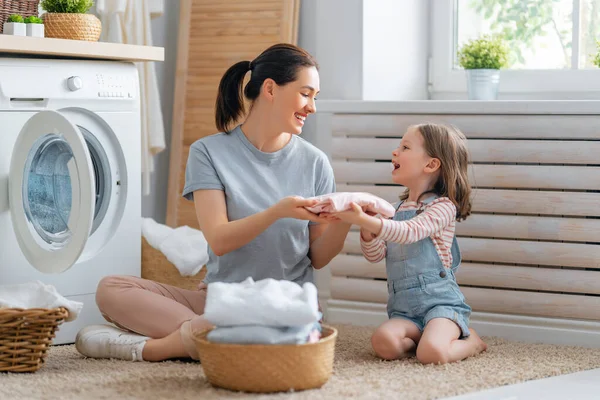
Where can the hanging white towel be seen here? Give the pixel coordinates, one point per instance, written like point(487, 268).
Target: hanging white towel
point(128, 21)
point(37, 295)
point(270, 302)
point(185, 247)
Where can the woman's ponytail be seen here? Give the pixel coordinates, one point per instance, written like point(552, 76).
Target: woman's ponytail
point(230, 98)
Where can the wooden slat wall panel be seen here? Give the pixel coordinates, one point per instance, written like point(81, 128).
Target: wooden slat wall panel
point(507, 201)
point(486, 275)
point(531, 228)
point(526, 227)
point(481, 150)
point(573, 255)
point(213, 36)
point(473, 126)
point(531, 245)
point(485, 175)
point(482, 299)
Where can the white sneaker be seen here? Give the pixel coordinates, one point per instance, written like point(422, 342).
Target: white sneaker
point(105, 341)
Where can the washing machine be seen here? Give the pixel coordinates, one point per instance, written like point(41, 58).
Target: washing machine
point(70, 177)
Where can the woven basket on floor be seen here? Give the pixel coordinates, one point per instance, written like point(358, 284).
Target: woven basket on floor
point(72, 26)
point(268, 368)
point(25, 335)
point(26, 8)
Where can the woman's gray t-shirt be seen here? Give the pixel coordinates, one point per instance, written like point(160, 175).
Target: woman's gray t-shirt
point(253, 181)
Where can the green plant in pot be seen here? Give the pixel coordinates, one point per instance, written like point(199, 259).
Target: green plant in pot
point(68, 19)
point(483, 58)
point(34, 26)
point(14, 25)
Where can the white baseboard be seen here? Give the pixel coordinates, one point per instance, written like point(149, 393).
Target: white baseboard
point(511, 327)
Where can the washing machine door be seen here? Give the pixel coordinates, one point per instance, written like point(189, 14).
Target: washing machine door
point(51, 192)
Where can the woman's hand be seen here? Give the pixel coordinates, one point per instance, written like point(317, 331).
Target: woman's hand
point(293, 207)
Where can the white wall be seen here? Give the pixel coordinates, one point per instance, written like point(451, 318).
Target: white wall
point(366, 49)
point(395, 49)
point(331, 30)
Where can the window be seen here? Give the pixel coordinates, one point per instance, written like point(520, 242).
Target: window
point(552, 44)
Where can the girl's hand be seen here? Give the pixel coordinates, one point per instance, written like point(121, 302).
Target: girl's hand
point(293, 207)
point(353, 216)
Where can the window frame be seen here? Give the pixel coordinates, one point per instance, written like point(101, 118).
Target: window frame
point(443, 78)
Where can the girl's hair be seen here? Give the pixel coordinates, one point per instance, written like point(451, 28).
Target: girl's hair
point(279, 62)
point(449, 145)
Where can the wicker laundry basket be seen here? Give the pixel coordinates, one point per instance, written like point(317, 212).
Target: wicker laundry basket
point(268, 368)
point(26, 8)
point(25, 335)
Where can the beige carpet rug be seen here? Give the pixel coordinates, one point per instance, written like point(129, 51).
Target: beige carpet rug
point(357, 374)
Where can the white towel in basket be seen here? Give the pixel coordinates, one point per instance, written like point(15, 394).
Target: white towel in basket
point(37, 295)
point(269, 302)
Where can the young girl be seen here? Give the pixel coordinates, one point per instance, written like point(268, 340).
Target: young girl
point(426, 308)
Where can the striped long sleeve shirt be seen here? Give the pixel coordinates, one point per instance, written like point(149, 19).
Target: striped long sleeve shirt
point(437, 221)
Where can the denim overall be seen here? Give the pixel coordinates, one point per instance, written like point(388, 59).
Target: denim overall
point(420, 288)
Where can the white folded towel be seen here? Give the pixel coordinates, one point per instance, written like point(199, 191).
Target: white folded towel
point(37, 295)
point(185, 247)
point(266, 302)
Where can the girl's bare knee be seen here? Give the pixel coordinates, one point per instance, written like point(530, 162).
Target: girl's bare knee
point(432, 353)
point(385, 344)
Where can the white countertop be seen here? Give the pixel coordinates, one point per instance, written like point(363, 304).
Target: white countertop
point(460, 107)
point(25, 45)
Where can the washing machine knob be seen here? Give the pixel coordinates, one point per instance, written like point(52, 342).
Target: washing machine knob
point(74, 83)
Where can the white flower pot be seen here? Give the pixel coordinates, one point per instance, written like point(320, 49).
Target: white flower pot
point(35, 30)
point(482, 84)
point(14, 28)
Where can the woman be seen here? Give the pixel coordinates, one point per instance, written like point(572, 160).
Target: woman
point(250, 185)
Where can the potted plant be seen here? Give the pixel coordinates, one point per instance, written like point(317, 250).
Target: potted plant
point(14, 25)
point(35, 26)
point(596, 60)
point(68, 19)
point(483, 58)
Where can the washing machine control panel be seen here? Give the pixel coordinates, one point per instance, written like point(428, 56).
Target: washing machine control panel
point(115, 86)
point(47, 83)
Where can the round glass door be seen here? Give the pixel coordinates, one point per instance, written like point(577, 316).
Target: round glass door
point(51, 191)
point(47, 191)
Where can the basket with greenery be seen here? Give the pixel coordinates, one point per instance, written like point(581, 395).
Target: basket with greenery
point(67, 6)
point(485, 52)
point(68, 19)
